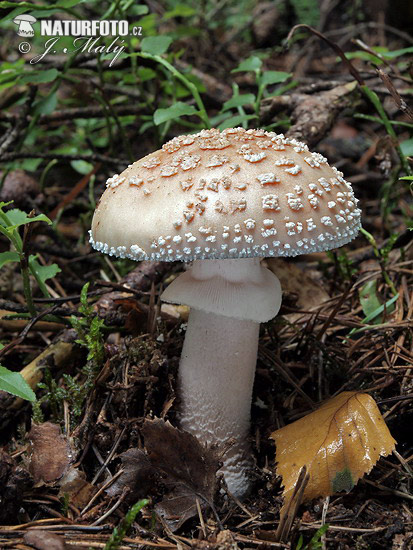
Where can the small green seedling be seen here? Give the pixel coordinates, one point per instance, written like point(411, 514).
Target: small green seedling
point(316, 542)
point(10, 223)
point(120, 532)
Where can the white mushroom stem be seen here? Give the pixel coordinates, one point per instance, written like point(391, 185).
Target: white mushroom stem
point(216, 376)
point(228, 299)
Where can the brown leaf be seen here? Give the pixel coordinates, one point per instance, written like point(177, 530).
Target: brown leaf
point(19, 187)
point(338, 443)
point(13, 482)
point(309, 293)
point(51, 454)
point(137, 475)
point(44, 540)
point(74, 484)
point(177, 465)
point(187, 469)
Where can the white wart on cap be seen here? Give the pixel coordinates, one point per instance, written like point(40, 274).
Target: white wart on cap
point(231, 194)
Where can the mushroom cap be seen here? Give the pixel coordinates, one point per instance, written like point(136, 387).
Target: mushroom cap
point(24, 17)
point(230, 194)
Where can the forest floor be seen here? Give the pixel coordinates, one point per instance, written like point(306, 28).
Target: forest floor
point(106, 367)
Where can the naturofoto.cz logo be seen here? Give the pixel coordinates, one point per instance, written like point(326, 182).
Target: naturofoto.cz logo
point(88, 36)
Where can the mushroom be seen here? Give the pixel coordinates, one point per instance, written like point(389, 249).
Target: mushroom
point(224, 200)
point(25, 24)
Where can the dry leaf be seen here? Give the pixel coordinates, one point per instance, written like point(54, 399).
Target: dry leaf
point(186, 468)
point(338, 443)
point(74, 484)
point(176, 465)
point(44, 540)
point(51, 454)
point(310, 294)
point(14, 481)
point(137, 475)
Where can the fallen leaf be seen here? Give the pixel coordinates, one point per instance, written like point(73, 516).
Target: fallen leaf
point(44, 540)
point(137, 475)
point(51, 454)
point(187, 469)
point(176, 465)
point(20, 188)
point(309, 293)
point(369, 300)
point(74, 484)
point(14, 481)
point(338, 443)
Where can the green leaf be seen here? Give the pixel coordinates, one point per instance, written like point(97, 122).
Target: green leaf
point(307, 12)
point(40, 77)
point(46, 105)
point(145, 73)
point(234, 121)
point(14, 383)
point(397, 53)
point(369, 300)
point(69, 3)
point(44, 272)
point(407, 147)
point(274, 77)
point(7, 257)
point(238, 101)
point(253, 63)
point(4, 4)
point(173, 112)
point(180, 10)
point(156, 45)
point(365, 56)
point(81, 166)
point(138, 10)
point(374, 314)
point(18, 217)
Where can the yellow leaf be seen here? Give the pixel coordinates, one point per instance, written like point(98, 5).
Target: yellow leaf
point(338, 443)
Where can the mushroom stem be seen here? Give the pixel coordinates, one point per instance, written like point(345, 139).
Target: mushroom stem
point(216, 377)
point(228, 299)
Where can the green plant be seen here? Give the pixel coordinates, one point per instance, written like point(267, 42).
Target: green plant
point(307, 11)
point(75, 390)
point(120, 532)
point(14, 383)
point(263, 79)
point(89, 330)
point(382, 255)
point(343, 264)
point(10, 224)
point(315, 543)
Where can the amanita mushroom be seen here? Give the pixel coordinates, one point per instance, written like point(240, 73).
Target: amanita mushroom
point(25, 24)
point(224, 200)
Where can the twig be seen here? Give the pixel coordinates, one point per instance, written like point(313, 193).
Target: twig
point(26, 330)
point(93, 158)
point(113, 508)
point(95, 111)
point(81, 184)
point(400, 102)
point(289, 509)
point(109, 457)
point(353, 71)
point(20, 123)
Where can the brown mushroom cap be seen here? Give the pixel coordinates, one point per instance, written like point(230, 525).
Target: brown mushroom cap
point(230, 194)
